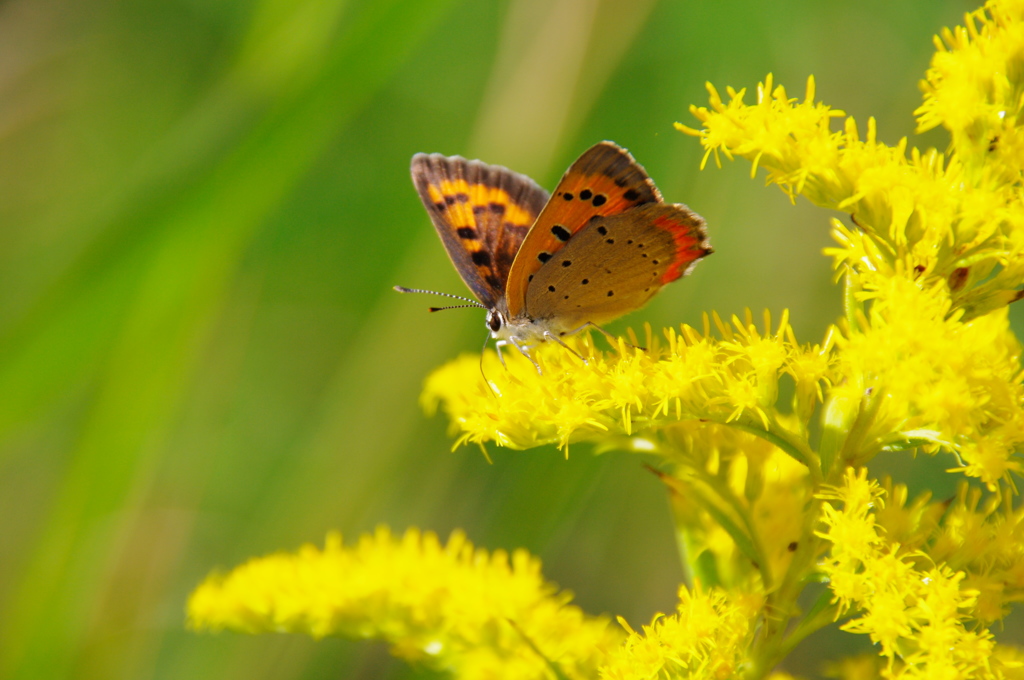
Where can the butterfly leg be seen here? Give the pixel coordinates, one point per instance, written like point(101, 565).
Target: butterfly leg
point(611, 338)
point(498, 344)
point(552, 336)
point(523, 349)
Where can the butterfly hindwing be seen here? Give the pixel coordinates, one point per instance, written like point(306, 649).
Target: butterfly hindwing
point(482, 214)
point(605, 180)
point(616, 264)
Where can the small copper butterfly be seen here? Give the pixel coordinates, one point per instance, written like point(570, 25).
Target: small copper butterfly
point(547, 266)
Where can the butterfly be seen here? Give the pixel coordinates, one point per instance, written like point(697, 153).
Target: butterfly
point(548, 266)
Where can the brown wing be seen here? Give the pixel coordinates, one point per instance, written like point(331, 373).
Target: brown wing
point(605, 180)
point(482, 214)
point(616, 264)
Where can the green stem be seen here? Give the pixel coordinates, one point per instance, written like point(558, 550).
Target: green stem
point(744, 535)
point(776, 435)
point(822, 614)
point(733, 518)
point(775, 645)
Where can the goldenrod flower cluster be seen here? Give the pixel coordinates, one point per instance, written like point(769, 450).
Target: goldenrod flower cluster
point(688, 375)
point(770, 495)
point(450, 607)
point(916, 613)
point(976, 533)
point(707, 638)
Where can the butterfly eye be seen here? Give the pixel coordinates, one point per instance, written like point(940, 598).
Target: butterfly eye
point(494, 321)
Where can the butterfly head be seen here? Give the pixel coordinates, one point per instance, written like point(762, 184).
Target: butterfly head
point(504, 326)
point(519, 330)
point(495, 321)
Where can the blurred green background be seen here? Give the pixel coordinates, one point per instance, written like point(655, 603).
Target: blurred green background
point(203, 207)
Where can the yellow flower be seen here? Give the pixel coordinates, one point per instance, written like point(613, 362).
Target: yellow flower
point(972, 87)
point(985, 538)
point(928, 218)
point(938, 382)
point(937, 244)
point(912, 524)
point(707, 637)
point(448, 607)
point(633, 392)
point(917, 614)
point(793, 143)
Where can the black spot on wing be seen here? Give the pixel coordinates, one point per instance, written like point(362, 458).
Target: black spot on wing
point(481, 258)
point(561, 233)
point(468, 233)
point(543, 257)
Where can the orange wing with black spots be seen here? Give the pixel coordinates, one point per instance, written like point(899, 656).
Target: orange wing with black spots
point(482, 214)
point(604, 181)
point(616, 264)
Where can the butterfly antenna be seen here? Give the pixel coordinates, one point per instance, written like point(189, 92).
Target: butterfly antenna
point(441, 309)
point(471, 301)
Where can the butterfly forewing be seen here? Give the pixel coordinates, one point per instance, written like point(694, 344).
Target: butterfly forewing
point(482, 214)
point(605, 180)
point(615, 264)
